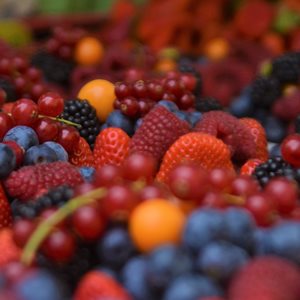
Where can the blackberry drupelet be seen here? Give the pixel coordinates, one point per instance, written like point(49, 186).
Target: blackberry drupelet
point(54, 198)
point(273, 167)
point(207, 104)
point(264, 91)
point(286, 68)
point(188, 68)
point(81, 112)
point(297, 124)
point(9, 89)
point(54, 68)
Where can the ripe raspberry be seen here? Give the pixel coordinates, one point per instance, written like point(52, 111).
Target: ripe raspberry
point(259, 136)
point(97, 285)
point(5, 211)
point(204, 149)
point(30, 182)
point(111, 147)
point(159, 130)
point(266, 278)
point(9, 250)
point(231, 131)
point(82, 156)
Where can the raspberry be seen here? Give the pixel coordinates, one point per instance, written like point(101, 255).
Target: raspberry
point(159, 130)
point(266, 278)
point(9, 250)
point(82, 156)
point(203, 149)
point(5, 210)
point(231, 131)
point(33, 181)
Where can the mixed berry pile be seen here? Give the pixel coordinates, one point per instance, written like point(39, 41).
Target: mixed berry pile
point(144, 172)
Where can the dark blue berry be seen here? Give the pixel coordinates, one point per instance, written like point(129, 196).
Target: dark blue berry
point(60, 151)
point(87, 173)
point(117, 119)
point(7, 160)
point(275, 129)
point(169, 105)
point(242, 106)
point(39, 154)
point(194, 117)
point(182, 115)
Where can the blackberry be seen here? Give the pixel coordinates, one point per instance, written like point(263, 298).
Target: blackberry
point(297, 124)
point(81, 112)
point(208, 104)
point(9, 89)
point(188, 68)
point(273, 167)
point(55, 69)
point(54, 198)
point(286, 68)
point(265, 90)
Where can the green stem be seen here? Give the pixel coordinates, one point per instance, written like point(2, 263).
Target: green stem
point(61, 120)
point(43, 230)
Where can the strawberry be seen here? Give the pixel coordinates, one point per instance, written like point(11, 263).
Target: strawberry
point(266, 278)
point(9, 250)
point(30, 182)
point(97, 285)
point(259, 136)
point(231, 131)
point(204, 149)
point(111, 147)
point(82, 156)
point(249, 166)
point(159, 130)
point(5, 211)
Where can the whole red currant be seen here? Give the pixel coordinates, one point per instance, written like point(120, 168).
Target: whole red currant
point(46, 129)
point(51, 104)
point(6, 123)
point(24, 112)
point(290, 149)
point(68, 137)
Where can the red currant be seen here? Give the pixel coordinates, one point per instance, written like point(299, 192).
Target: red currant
point(33, 74)
point(174, 87)
point(169, 96)
point(83, 188)
point(46, 129)
point(20, 84)
point(2, 97)
point(68, 137)
point(22, 230)
point(51, 104)
point(244, 186)
point(290, 149)
point(221, 179)
point(140, 89)
point(189, 81)
point(24, 112)
point(107, 175)
point(6, 123)
point(214, 199)
point(187, 101)
point(37, 90)
point(123, 90)
point(5, 66)
point(156, 90)
point(129, 106)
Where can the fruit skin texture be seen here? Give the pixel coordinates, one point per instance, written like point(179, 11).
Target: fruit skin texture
point(98, 285)
point(202, 149)
point(266, 278)
point(159, 130)
point(9, 250)
point(82, 156)
point(156, 222)
point(32, 181)
point(290, 149)
point(5, 210)
point(7, 160)
point(111, 147)
point(249, 166)
point(100, 94)
point(259, 136)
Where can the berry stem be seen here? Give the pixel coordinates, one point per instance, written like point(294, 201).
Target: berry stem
point(61, 120)
point(46, 226)
point(234, 200)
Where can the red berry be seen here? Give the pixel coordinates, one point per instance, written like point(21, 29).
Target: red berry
point(33, 74)
point(155, 90)
point(290, 149)
point(20, 84)
point(87, 222)
point(20, 63)
point(5, 66)
point(169, 96)
point(221, 179)
point(2, 97)
point(151, 191)
point(123, 90)
point(46, 129)
point(107, 175)
point(139, 166)
point(83, 188)
point(37, 90)
point(59, 246)
point(244, 186)
point(189, 81)
point(68, 137)
point(51, 104)
point(24, 112)
point(6, 123)
point(144, 107)
point(22, 230)
point(174, 87)
point(129, 106)
point(214, 200)
point(187, 101)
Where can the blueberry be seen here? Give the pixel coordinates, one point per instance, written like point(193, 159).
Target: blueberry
point(221, 260)
point(261, 115)
point(137, 124)
point(115, 248)
point(242, 106)
point(240, 227)
point(117, 119)
point(24, 136)
point(191, 287)
point(104, 126)
point(169, 105)
point(60, 151)
point(87, 173)
point(134, 279)
point(274, 150)
point(165, 263)
point(7, 160)
point(261, 242)
point(284, 241)
point(202, 227)
point(182, 115)
point(194, 117)
point(37, 286)
point(39, 154)
point(275, 129)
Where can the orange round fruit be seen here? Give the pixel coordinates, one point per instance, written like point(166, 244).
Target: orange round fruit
point(156, 222)
point(165, 65)
point(216, 48)
point(88, 51)
point(100, 94)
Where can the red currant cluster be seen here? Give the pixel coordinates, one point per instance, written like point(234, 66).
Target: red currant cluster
point(137, 98)
point(27, 80)
point(63, 41)
point(41, 116)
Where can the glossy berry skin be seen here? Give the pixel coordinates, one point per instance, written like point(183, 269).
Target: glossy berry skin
point(7, 160)
point(46, 129)
point(68, 137)
point(22, 230)
point(117, 119)
point(107, 175)
point(61, 153)
point(18, 150)
point(290, 149)
point(6, 123)
point(51, 104)
point(24, 112)
point(244, 186)
point(39, 154)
